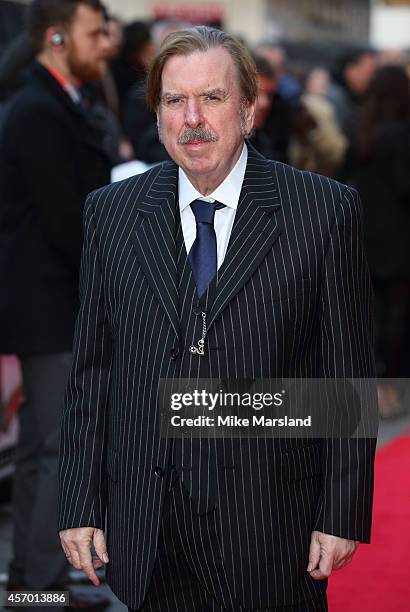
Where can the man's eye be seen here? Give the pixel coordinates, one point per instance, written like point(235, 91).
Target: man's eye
point(173, 101)
point(212, 98)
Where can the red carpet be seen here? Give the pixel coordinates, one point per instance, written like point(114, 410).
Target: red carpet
point(378, 579)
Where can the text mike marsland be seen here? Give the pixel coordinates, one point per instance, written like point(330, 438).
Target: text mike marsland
point(235, 421)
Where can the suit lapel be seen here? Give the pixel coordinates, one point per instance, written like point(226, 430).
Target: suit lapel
point(154, 239)
point(255, 229)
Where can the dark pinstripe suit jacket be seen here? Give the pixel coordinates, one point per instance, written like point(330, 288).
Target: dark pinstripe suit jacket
point(293, 298)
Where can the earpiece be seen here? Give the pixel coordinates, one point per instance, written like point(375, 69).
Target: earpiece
point(57, 39)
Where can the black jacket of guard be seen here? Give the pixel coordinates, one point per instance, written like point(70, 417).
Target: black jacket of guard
point(50, 158)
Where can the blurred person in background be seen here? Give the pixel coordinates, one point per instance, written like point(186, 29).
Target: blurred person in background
point(273, 116)
point(115, 38)
point(140, 127)
point(351, 78)
point(140, 124)
point(115, 32)
point(161, 28)
point(287, 86)
point(407, 68)
point(130, 67)
point(317, 143)
point(317, 82)
point(266, 82)
point(100, 99)
point(51, 156)
point(378, 166)
point(391, 57)
point(102, 102)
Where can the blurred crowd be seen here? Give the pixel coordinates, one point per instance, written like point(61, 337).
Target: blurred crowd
point(313, 116)
point(348, 119)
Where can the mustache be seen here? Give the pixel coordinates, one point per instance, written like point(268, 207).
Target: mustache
point(199, 134)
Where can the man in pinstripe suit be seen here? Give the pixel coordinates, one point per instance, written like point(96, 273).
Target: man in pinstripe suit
point(221, 264)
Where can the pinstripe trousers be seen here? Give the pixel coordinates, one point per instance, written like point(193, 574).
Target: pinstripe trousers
point(189, 573)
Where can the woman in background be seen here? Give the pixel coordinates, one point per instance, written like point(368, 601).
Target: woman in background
point(317, 142)
point(378, 164)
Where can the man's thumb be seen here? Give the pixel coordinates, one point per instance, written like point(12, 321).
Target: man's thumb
point(100, 546)
point(314, 553)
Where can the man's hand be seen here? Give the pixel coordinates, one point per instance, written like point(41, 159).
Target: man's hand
point(327, 553)
point(77, 544)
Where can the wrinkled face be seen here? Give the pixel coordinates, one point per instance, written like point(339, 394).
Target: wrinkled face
point(87, 45)
point(202, 118)
point(266, 90)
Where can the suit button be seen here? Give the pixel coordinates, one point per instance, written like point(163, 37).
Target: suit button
point(159, 472)
point(197, 310)
point(174, 354)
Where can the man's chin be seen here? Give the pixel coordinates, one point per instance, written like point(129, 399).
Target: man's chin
point(199, 167)
point(91, 75)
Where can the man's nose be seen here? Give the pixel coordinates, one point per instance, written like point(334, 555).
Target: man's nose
point(193, 113)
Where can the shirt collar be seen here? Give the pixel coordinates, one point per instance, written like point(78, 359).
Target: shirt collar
point(227, 192)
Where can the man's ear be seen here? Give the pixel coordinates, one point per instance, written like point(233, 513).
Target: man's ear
point(55, 39)
point(159, 127)
point(249, 109)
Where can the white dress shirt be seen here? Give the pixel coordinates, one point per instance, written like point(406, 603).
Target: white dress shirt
point(227, 193)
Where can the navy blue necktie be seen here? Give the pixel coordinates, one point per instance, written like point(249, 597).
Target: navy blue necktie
point(203, 255)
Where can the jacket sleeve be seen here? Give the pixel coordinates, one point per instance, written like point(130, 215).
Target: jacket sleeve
point(51, 178)
point(346, 351)
point(82, 477)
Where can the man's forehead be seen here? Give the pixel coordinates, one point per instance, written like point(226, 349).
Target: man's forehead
point(86, 17)
point(200, 70)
